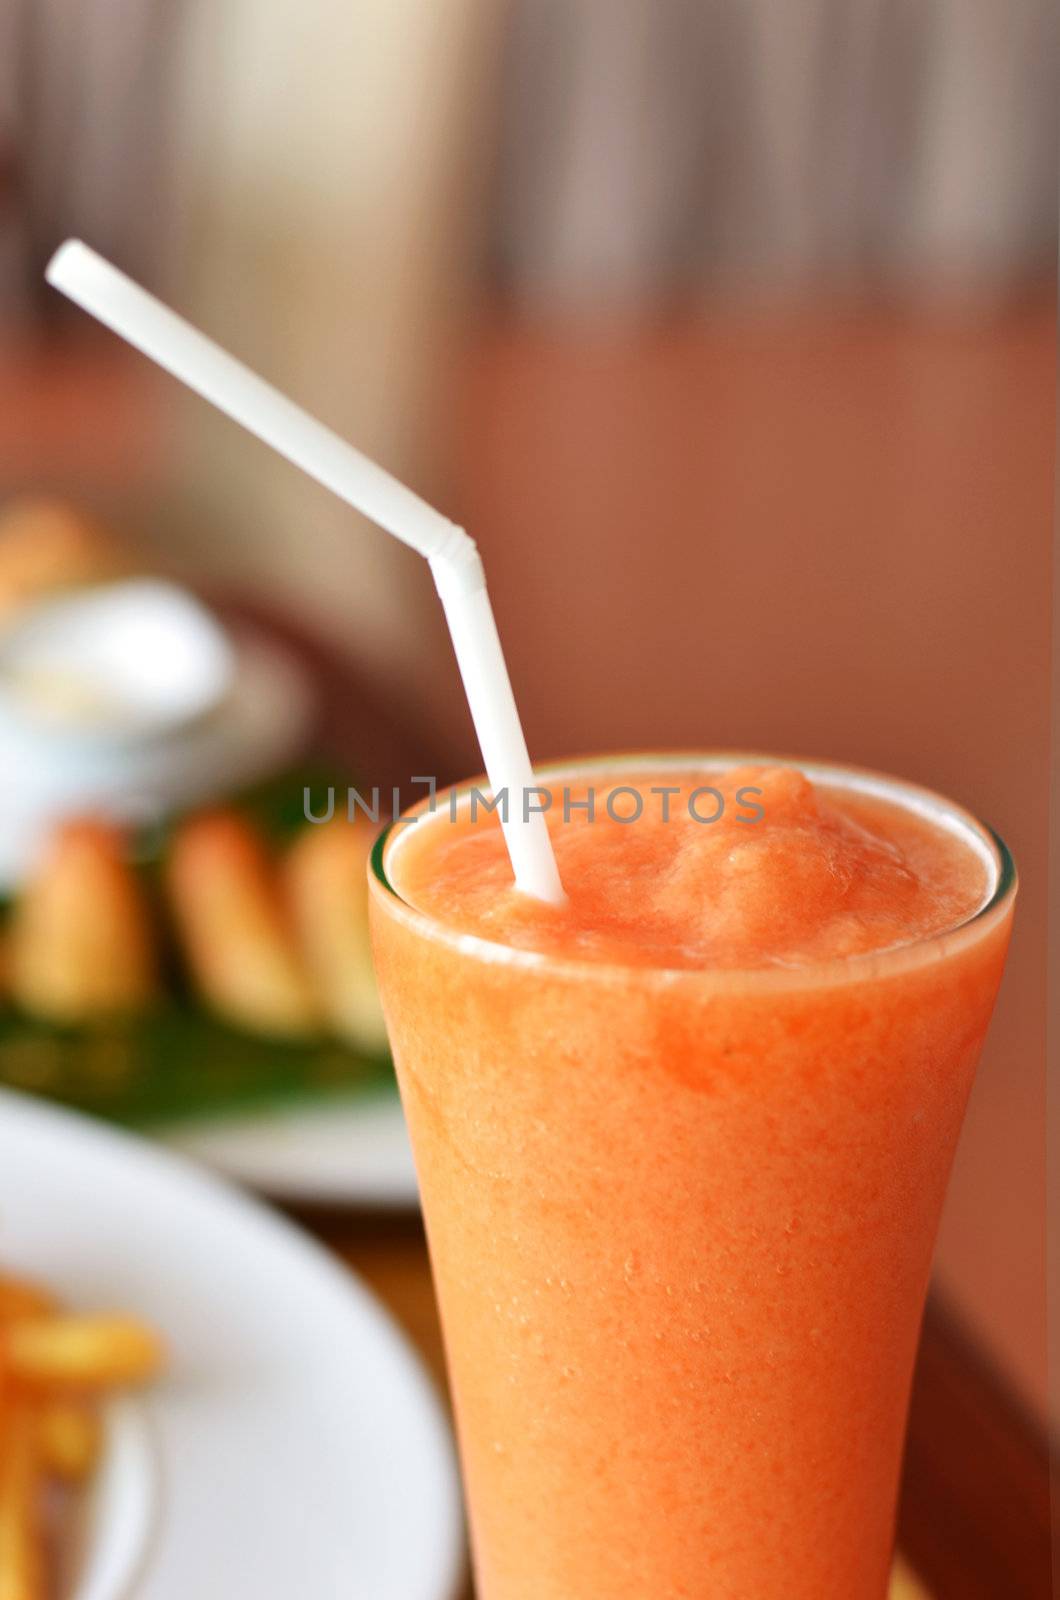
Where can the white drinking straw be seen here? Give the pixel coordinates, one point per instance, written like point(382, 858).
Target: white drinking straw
point(96, 286)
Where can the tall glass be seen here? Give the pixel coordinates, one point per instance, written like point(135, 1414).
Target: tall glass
point(681, 1227)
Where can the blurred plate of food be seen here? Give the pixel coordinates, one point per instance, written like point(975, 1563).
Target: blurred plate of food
point(276, 1437)
point(211, 982)
point(182, 951)
point(261, 723)
point(121, 694)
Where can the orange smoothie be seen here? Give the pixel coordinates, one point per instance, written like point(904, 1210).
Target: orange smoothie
point(682, 1146)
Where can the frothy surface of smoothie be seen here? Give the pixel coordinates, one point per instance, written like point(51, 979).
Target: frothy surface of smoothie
point(749, 868)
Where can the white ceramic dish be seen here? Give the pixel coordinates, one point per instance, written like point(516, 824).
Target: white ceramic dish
point(354, 1153)
point(118, 664)
point(297, 1449)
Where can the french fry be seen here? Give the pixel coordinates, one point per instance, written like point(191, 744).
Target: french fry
point(21, 1298)
point(903, 1584)
point(69, 1438)
point(234, 928)
point(324, 877)
point(52, 1366)
point(22, 1575)
point(81, 943)
point(81, 1354)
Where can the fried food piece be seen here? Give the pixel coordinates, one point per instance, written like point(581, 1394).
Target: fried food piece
point(22, 1575)
point(325, 878)
point(53, 1366)
point(20, 1298)
point(47, 545)
point(904, 1586)
point(81, 1353)
point(81, 944)
point(234, 928)
point(69, 1440)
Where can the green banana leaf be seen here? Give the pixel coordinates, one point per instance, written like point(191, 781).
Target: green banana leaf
point(177, 1062)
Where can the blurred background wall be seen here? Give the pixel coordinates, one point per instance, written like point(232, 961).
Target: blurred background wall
point(728, 328)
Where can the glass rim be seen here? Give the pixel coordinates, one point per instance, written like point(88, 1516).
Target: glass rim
point(956, 819)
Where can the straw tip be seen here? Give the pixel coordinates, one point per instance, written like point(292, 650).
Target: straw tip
point(65, 262)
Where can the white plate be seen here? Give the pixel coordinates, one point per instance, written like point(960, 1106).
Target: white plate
point(297, 1449)
point(354, 1153)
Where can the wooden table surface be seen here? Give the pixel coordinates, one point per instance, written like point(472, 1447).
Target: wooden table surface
point(975, 1508)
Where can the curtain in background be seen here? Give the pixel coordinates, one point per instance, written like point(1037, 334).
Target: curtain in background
point(653, 146)
point(82, 133)
point(645, 146)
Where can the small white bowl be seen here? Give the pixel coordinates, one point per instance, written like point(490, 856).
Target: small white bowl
point(116, 664)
